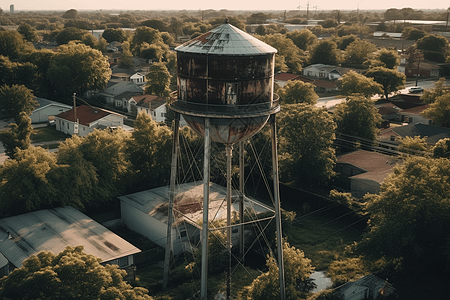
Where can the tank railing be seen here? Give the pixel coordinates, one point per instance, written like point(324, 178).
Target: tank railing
point(224, 109)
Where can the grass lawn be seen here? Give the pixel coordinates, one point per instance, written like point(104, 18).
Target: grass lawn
point(47, 134)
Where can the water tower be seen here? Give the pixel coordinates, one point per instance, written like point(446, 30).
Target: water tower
point(225, 93)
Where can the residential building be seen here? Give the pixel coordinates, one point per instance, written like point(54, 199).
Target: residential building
point(116, 88)
point(370, 287)
point(322, 71)
point(84, 119)
point(364, 171)
point(52, 230)
point(47, 109)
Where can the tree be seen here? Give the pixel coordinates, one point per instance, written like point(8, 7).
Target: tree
point(434, 47)
point(358, 52)
point(390, 80)
point(412, 33)
point(41, 59)
point(325, 52)
point(77, 68)
point(386, 58)
point(413, 145)
point(12, 44)
point(302, 38)
point(439, 111)
point(18, 135)
point(358, 117)
point(159, 25)
point(158, 80)
point(287, 52)
point(142, 35)
point(70, 34)
point(28, 181)
point(296, 91)
point(148, 151)
point(72, 274)
point(28, 32)
point(114, 34)
point(14, 100)
point(440, 88)
point(297, 270)
point(408, 219)
point(105, 152)
point(441, 148)
point(346, 40)
point(70, 14)
point(307, 156)
point(355, 83)
point(167, 38)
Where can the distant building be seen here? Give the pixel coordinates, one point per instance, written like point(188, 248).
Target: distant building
point(11, 8)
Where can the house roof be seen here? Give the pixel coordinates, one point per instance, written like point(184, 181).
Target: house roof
point(188, 203)
point(370, 281)
point(414, 110)
point(433, 133)
point(226, 40)
point(149, 101)
point(325, 84)
point(42, 103)
point(54, 229)
point(120, 87)
point(85, 114)
point(285, 76)
point(387, 108)
point(376, 165)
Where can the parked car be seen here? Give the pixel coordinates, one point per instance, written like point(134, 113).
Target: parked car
point(416, 90)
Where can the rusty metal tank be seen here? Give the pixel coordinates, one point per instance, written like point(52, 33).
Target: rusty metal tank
point(225, 75)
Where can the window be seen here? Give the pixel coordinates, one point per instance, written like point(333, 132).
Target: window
point(231, 92)
point(183, 234)
point(162, 115)
point(123, 261)
point(67, 125)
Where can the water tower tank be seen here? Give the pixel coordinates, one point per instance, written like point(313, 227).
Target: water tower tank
point(226, 75)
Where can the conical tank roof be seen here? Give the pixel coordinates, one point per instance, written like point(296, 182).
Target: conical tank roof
point(226, 40)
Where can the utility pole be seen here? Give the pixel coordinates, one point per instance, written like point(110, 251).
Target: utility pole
point(75, 120)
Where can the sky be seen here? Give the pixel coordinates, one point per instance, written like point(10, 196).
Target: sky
point(314, 5)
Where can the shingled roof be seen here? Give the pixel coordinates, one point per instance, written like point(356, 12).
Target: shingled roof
point(85, 114)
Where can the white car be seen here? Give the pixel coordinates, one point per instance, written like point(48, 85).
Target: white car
point(416, 90)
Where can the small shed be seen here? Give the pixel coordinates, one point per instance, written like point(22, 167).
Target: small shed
point(52, 230)
point(146, 212)
point(369, 287)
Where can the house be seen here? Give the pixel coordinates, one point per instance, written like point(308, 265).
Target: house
point(414, 115)
point(84, 119)
point(128, 75)
point(424, 69)
point(52, 230)
point(152, 105)
point(322, 71)
point(146, 212)
point(47, 109)
point(388, 111)
point(114, 46)
point(116, 88)
point(432, 133)
point(369, 287)
point(113, 58)
point(365, 170)
point(325, 86)
point(282, 78)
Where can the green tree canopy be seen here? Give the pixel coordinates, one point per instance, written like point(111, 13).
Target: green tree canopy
point(158, 80)
point(148, 151)
point(17, 137)
point(307, 156)
point(28, 182)
point(390, 80)
point(355, 83)
point(441, 148)
point(434, 47)
point(14, 100)
point(144, 34)
point(358, 52)
point(409, 218)
point(325, 52)
point(414, 145)
point(72, 274)
point(69, 34)
point(288, 52)
point(114, 34)
point(439, 111)
point(346, 40)
point(28, 32)
point(358, 117)
point(386, 58)
point(302, 38)
point(440, 88)
point(77, 68)
point(297, 91)
point(12, 44)
point(297, 270)
point(157, 24)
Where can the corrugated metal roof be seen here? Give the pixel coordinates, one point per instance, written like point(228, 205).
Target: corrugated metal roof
point(188, 202)
point(54, 229)
point(226, 40)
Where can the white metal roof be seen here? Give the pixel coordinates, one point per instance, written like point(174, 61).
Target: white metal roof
point(226, 40)
point(54, 229)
